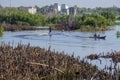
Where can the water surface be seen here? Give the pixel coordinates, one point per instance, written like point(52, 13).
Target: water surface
point(70, 42)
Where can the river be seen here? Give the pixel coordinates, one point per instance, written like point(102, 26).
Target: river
point(68, 41)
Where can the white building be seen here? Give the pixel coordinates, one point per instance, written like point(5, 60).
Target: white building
point(32, 10)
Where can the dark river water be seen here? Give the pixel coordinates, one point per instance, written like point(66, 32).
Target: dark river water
point(70, 42)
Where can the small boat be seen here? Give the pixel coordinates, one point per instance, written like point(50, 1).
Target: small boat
point(98, 37)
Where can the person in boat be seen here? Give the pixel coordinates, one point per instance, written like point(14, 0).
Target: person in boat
point(95, 35)
point(50, 29)
point(98, 36)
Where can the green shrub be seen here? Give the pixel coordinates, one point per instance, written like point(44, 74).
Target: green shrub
point(22, 23)
point(118, 33)
point(1, 31)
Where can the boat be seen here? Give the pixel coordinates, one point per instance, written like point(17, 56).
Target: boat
point(98, 37)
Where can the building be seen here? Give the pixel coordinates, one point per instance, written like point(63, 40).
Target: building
point(57, 7)
point(31, 10)
point(64, 9)
point(73, 10)
point(64, 6)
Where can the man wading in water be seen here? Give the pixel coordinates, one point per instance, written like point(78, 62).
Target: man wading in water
point(50, 29)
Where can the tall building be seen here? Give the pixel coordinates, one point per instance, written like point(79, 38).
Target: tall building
point(64, 9)
point(57, 7)
point(73, 10)
point(64, 6)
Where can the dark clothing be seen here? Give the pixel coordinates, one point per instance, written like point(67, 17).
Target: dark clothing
point(95, 35)
point(50, 29)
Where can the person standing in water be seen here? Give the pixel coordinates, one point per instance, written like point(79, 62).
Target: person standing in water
point(50, 29)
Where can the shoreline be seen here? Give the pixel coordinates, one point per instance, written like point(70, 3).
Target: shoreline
point(13, 28)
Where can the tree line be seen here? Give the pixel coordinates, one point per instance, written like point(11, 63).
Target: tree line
point(99, 21)
point(84, 21)
point(19, 17)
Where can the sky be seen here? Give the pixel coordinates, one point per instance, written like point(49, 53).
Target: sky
point(70, 3)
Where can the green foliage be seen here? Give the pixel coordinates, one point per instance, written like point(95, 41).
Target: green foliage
point(85, 22)
point(1, 31)
point(89, 21)
point(108, 15)
point(118, 33)
point(114, 10)
point(22, 23)
point(92, 20)
point(118, 17)
point(15, 16)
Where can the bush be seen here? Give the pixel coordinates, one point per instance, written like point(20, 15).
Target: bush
point(22, 23)
point(118, 33)
point(1, 31)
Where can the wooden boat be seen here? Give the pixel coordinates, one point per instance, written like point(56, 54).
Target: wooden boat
point(100, 37)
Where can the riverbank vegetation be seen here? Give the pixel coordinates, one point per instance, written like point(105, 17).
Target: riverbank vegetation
point(84, 22)
point(118, 17)
point(118, 33)
point(15, 27)
point(35, 63)
point(19, 17)
point(114, 58)
point(1, 30)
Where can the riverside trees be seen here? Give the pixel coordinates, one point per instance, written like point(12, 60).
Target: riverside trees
point(1, 31)
point(19, 17)
point(84, 22)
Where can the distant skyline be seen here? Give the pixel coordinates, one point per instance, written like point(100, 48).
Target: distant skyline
point(79, 3)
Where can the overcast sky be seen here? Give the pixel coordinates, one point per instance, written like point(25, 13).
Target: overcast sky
point(79, 3)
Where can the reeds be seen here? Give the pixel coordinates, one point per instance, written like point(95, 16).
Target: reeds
point(9, 27)
point(113, 70)
point(25, 62)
